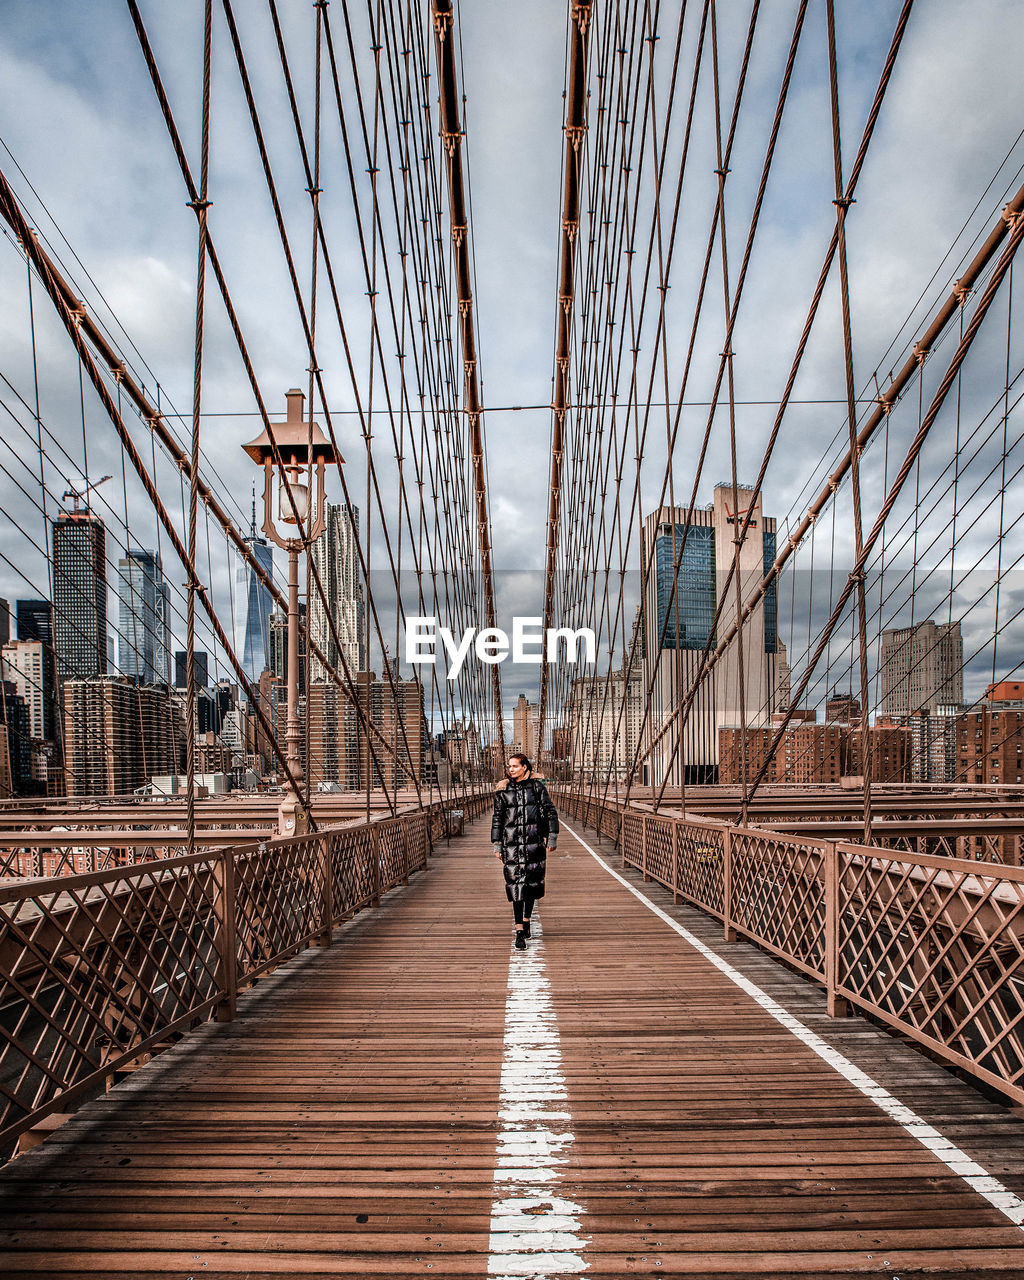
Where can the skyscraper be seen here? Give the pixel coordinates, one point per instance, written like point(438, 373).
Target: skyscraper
point(214, 705)
point(23, 665)
point(604, 716)
point(79, 595)
point(524, 727)
point(28, 665)
point(921, 669)
point(678, 626)
point(279, 645)
point(336, 556)
point(35, 626)
point(14, 741)
point(398, 714)
point(35, 621)
point(332, 736)
point(202, 662)
point(145, 636)
point(117, 735)
point(253, 603)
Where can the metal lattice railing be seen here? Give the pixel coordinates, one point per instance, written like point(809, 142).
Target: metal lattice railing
point(932, 946)
point(99, 969)
point(935, 946)
point(777, 895)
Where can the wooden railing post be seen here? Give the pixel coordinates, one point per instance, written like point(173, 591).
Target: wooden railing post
point(675, 862)
point(643, 847)
point(327, 873)
point(374, 865)
point(727, 911)
point(836, 1005)
point(227, 964)
point(403, 827)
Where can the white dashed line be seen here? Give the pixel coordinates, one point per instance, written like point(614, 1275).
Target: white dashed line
point(957, 1161)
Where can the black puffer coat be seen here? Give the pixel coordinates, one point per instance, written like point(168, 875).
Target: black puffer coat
point(524, 818)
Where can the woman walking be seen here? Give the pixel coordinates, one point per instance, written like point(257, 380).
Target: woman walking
point(524, 827)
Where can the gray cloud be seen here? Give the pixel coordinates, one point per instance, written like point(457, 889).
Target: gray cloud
point(80, 116)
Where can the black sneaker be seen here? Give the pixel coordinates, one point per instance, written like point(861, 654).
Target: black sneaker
point(520, 941)
point(526, 929)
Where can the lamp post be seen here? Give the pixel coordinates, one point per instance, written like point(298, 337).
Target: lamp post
point(297, 451)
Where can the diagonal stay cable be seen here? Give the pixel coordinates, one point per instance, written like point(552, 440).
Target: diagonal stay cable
point(11, 211)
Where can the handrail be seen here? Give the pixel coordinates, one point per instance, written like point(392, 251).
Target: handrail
point(84, 843)
point(994, 833)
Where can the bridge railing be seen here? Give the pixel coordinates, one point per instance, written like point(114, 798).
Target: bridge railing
point(59, 852)
point(931, 946)
point(76, 844)
point(101, 969)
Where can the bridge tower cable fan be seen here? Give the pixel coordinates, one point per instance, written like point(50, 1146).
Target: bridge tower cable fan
point(452, 134)
point(575, 129)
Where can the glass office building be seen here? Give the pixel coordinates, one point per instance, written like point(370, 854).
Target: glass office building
point(253, 606)
point(685, 619)
point(79, 596)
point(144, 636)
point(689, 704)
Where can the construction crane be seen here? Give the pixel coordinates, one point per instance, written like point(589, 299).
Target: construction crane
point(79, 495)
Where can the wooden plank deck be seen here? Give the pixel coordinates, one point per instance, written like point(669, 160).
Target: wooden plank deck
point(420, 1100)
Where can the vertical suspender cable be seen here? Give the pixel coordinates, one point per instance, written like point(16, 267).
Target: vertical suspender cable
point(50, 692)
point(842, 205)
point(575, 132)
point(200, 207)
point(314, 195)
point(1002, 475)
point(452, 134)
point(739, 531)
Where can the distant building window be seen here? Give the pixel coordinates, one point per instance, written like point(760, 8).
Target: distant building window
point(693, 605)
point(771, 596)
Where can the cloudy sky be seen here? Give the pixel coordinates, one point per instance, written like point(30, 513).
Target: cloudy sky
point(86, 150)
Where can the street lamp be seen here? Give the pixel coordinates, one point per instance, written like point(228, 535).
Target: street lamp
point(298, 451)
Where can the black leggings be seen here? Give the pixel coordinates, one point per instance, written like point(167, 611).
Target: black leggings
point(523, 910)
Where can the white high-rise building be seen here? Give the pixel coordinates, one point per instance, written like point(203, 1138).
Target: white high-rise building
point(232, 732)
point(336, 556)
point(677, 627)
point(604, 721)
point(23, 664)
point(26, 665)
point(921, 669)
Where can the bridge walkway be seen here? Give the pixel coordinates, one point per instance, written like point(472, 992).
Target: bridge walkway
point(631, 1096)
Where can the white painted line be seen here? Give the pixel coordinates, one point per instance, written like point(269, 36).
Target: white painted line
point(534, 1231)
point(957, 1161)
